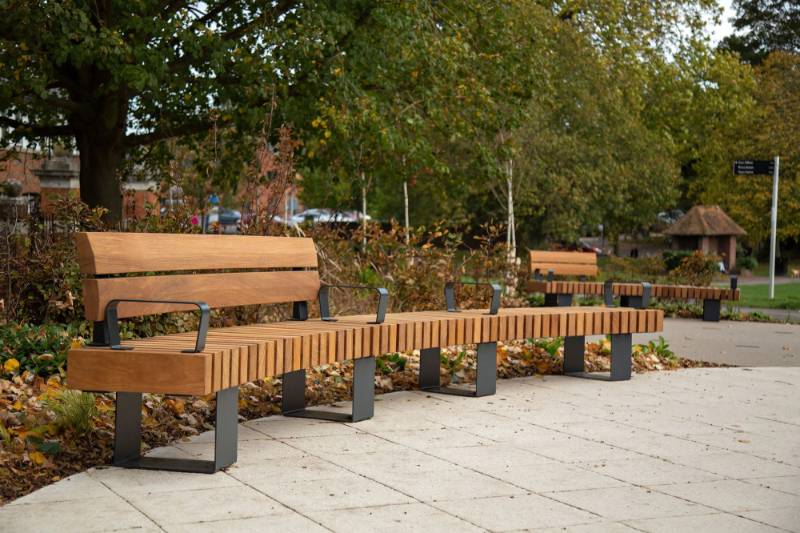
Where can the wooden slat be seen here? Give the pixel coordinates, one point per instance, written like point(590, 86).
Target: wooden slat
point(118, 253)
point(217, 290)
point(155, 371)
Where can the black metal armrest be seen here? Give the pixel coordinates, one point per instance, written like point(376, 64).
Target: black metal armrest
point(537, 275)
point(112, 322)
point(734, 282)
point(324, 301)
point(450, 295)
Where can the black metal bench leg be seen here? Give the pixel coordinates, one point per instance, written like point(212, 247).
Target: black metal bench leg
point(294, 394)
point(574, 348)
point(128, 436)
point(621, 356)
point(127, 428)
point(712, 310)
point(557, 300)
point(486, 372)
point(637, 302)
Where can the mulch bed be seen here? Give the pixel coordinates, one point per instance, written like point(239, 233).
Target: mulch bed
point(38, 448)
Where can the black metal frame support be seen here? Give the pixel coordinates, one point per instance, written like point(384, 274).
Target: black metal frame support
point(324, 301)
point(608, 293)
point(111, 322)
point(294, 394)
point(128, 436)
point(300, 311)
point(486, 372)
point(712, 310)
point(638, 302)
point(450, 295)
point(552, 299)
point(621, 358)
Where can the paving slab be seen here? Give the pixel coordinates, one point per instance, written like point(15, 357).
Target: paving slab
point(733, 343)
point(713, 449)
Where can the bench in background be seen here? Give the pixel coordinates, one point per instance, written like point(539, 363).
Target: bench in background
point(584, 265)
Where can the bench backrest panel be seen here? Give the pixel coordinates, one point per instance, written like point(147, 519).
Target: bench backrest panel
point(118, 257)
point(564, 263)
point(122, 253)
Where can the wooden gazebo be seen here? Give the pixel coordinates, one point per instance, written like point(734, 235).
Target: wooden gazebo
point(709, 229)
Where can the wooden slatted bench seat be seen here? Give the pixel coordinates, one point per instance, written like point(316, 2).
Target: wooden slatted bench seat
point(125, 276)
point(561, 292)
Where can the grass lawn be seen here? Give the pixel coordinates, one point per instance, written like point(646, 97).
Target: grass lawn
point(787, 296)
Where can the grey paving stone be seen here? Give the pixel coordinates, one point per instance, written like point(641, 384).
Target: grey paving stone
point(204, 505)
point(649, 471)
point(787, 518)
point(392, 519)
point(452, 484)
point(732, 495)
point(719, 522)
point(790, 484)
point(516, 512)
point(344, 492)
point(739, 465)
point(85, 515)
point(625, 503)
point(128, 482)
point(285, 523)
point(280, 427)
point(78, 487)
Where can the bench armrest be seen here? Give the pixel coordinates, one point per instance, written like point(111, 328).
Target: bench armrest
point(450, 295)
point(608, 294)
point(537, 275)
point(324, 305)
point(112, 322)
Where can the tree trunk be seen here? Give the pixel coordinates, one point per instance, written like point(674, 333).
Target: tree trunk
point(100, 136)
point(100, 185)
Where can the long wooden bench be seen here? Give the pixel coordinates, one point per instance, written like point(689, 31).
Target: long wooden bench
point(139, 274)
point(561, 292)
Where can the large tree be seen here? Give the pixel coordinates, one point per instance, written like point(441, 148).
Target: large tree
point(764, 26)
point(114, 75)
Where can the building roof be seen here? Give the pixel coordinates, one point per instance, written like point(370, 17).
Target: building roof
point(705, 220)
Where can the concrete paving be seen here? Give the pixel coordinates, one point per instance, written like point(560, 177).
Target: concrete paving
point(702, 449)
point(733, 343)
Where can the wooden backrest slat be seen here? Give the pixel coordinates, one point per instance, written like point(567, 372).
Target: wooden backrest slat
point(564, 263)
point(121, 253)
point(217, 290)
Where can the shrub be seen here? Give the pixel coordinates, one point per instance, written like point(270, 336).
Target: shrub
point(747, 263)
point(41, 350)
point(673, 258)
point(696, 269)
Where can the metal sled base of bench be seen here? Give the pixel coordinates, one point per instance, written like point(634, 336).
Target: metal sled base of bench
point(128, 436)
point(621, 358)
point(294, 399)
point(486, 372)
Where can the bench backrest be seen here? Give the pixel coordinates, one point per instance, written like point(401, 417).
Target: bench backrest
point(163, 266)
point(563, 263)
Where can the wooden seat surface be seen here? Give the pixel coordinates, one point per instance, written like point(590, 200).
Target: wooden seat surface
point(237, 355)
point(678, 292)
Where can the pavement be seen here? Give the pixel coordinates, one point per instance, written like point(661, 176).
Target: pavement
point(713, 449)
point(733, 343)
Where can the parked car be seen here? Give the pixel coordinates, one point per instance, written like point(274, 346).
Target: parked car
point(321, 215)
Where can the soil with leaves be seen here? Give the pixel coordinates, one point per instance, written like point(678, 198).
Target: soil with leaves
point(48, 431)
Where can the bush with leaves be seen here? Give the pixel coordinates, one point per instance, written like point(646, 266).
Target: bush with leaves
point(41, 350)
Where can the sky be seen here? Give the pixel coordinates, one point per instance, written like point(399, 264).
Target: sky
point(724, 28)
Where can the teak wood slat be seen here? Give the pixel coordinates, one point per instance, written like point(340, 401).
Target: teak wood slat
point(118, 253)
point(217, 290)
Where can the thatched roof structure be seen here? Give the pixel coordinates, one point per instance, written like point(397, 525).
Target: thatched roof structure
point(705, 220)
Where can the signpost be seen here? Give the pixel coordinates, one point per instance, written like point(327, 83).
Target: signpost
point(749, 167)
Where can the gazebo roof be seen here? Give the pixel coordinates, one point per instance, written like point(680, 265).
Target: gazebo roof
point(705, 220)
